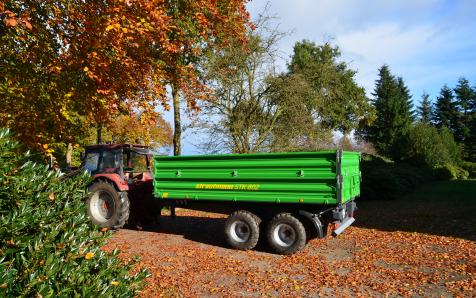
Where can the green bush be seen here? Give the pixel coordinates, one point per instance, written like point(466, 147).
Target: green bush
point(451, 172)
point(48, 247)
point(382, 179)
point(470, 167)
point(461, 173)
point(425, 145)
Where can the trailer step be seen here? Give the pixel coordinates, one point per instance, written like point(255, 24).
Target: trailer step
point(344, 225)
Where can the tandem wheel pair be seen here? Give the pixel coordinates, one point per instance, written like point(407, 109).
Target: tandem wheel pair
point(284, 232)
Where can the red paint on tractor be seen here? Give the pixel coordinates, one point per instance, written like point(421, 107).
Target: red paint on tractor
point(120, 183)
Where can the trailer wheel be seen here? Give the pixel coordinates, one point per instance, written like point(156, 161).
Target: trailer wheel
point(286, 234)
point(242, 230)
point(107, 207)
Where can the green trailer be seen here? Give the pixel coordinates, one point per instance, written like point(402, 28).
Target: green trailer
point(286, 197)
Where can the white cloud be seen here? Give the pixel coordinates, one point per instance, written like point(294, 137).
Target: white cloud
point(424, 41)
point(385, 42)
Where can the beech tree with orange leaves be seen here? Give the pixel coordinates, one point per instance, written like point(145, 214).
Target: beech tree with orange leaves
point(65, 64)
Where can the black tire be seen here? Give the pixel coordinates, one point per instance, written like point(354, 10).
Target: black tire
point(107, 207)
point(242, 230)
point(286, 234)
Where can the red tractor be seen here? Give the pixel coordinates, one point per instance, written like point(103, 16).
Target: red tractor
point(121, 175)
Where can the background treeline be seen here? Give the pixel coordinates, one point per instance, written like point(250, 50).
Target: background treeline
point(435, 140)
point(106, 79)
point(256, 108)
point(317, 104)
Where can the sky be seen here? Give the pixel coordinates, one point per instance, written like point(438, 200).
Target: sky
point(429, 43)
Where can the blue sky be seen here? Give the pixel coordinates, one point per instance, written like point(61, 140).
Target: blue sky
point(427, 42)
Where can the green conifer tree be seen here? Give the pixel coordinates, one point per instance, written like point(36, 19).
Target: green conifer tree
point(464, 96)
point(406, 103)
point(446, 112)
point(465, 126)
point(425, 109)
point(392, 102)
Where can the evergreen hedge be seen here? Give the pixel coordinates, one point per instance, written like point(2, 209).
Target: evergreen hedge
point(383, 179)
point(48, 248)
point(470, 167)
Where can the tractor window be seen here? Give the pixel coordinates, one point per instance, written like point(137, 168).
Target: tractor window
point(138, 162)
point(91, 162)
point(111, 161)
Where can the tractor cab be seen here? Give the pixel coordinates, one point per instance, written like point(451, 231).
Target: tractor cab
point(130, 163)
point(122, 182)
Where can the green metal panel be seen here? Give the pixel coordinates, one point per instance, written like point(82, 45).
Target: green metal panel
point(350, 170)
point(302, 177)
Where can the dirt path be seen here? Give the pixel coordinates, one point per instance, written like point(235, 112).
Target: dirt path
point(188, 257)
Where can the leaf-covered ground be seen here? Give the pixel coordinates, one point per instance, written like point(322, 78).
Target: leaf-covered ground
point(416, 246)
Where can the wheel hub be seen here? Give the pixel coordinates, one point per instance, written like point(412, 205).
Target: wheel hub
point(102, 206)
point(284, 235)
point(240, 231)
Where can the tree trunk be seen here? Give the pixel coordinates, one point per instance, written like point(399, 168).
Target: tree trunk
point(99, 133)
point(177, 125)
point(69, 154)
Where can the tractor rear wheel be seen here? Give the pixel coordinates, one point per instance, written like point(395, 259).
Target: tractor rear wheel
point(107, 207)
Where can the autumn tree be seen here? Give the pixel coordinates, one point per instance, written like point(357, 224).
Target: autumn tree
point(36, 95)
point(66, 63)
point(198, 26)
point(128, 129)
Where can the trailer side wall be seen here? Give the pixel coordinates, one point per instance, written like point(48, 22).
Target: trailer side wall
point(308, 178)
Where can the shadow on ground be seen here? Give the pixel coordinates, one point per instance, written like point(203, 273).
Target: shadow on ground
point(440, 208)
point(446, 208)
point(207, 230)
point(201, 229)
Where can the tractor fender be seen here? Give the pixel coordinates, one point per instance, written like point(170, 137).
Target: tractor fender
point(115, 179)
point(314, 218)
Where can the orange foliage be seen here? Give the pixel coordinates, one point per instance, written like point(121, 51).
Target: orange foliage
point(99, 59)
point(131, 129)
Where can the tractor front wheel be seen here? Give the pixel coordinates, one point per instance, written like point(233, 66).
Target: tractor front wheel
point(107, 207)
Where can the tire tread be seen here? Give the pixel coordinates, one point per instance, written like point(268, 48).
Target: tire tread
point(123, 208)
point(253, 220)
point(290, 219)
